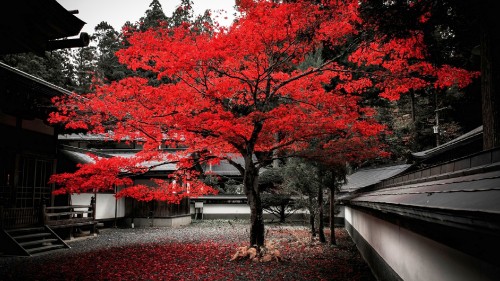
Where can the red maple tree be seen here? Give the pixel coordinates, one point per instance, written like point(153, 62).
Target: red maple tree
point(244, 90)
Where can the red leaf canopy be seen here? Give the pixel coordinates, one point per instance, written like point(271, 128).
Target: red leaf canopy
point(247, 90)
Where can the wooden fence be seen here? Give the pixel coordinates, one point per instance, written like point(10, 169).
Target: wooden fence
point(19, 217)
point(55, 217)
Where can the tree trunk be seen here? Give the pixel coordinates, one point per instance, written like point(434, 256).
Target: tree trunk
point(250, 180)
point(312, 217)
point(412, 105)
point(256, 220)
point(413, 127)
point(282, 213)
point(490, 75)
point(333, 241)
point(321, 231)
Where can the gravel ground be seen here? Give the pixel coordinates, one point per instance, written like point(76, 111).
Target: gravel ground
point(298, 250)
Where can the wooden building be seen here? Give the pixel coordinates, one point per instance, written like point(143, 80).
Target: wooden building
point(28, 145)
point(74, 150)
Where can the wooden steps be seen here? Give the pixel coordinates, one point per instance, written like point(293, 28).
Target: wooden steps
point(32, 241)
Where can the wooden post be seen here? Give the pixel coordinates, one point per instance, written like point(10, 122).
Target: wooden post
point(93, 209)
point(43, 217)
point(1, 217)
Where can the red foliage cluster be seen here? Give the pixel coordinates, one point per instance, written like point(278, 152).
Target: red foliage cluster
point(108, 173)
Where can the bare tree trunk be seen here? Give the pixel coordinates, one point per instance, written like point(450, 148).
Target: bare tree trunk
point(413, 128)
point(333, 240)
point(412, 105)
point(321, 231)
point(490, 75)
point(312, 217)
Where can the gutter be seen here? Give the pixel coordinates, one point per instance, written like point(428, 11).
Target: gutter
point(82, 41)
point(476, 221)
point(34, 79)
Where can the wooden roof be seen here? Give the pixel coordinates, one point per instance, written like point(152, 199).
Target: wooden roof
point(35, 26)
point(25, 95)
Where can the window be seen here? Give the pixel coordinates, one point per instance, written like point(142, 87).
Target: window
point(33, 177)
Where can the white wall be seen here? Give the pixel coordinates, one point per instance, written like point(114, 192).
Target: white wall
point(412, 256)
point(224, 209)
point(160, 222)
point(105, 204)
point(241, 211)
point(231, 209)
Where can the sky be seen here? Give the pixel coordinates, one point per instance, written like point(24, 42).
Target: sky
point(117, 12)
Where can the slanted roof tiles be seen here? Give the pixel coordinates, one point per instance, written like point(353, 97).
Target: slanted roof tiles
point(368, 177)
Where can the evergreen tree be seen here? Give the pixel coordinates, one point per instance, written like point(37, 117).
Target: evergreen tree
point(301, 179)
point(49, 66)
point(108, 43)
point(183, 13)
point(203, 22)
point(68, 70)
point(85, 69)
point(154, 17)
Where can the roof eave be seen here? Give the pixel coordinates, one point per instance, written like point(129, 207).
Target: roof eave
point(478, 221)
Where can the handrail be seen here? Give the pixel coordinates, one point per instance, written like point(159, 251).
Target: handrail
point(68, 215)
point(67, 207)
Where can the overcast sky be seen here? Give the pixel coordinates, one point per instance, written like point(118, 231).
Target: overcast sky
point(117, 12)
